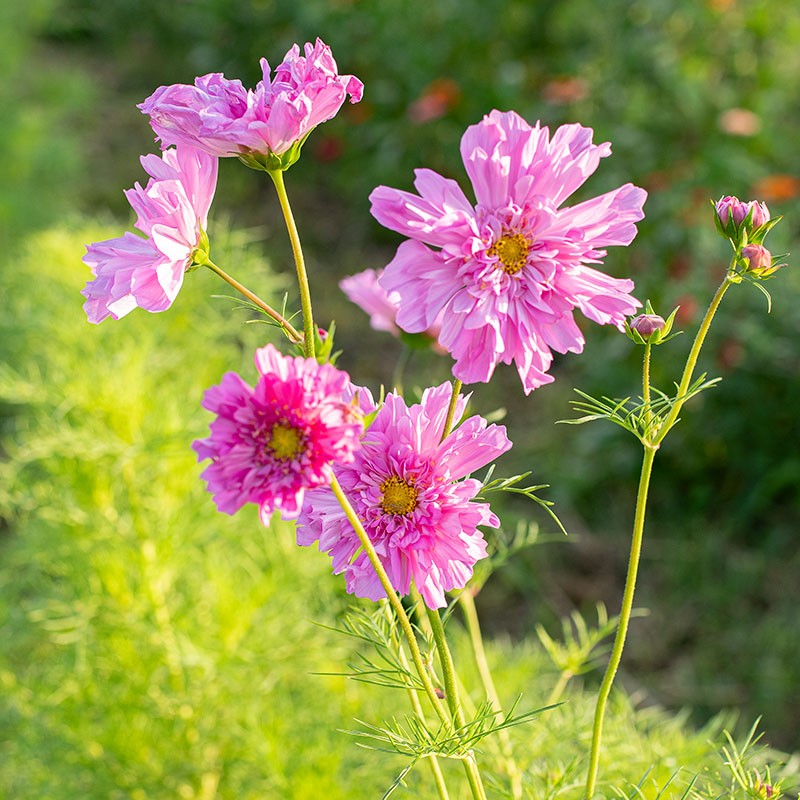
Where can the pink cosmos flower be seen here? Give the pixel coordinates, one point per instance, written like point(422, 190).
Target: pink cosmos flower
point(223, 118)
point(364, 290)
point(270, 443)
point(509, 272)
point(172, 212)
point(406, 487)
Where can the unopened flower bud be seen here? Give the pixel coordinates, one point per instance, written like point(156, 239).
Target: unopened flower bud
point(736, 219)
point(759, 259)
point(646, 325)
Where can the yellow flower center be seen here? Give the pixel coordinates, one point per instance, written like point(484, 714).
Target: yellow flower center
point(512, 250)
point(399, 497)
point(284, 442)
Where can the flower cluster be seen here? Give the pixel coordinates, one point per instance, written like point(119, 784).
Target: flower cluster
point(265, 126)
point(172, 212)
point(508, 273)
point(270, 443)
point(405, 483)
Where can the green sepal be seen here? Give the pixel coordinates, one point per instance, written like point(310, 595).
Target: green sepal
point(323, 348)
point(270, 162)
point(200, 257)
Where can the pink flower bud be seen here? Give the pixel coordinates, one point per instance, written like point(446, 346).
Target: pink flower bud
point(732, 208)
point(646, 325)
point(759, 259)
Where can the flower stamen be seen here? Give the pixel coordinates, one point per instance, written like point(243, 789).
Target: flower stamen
point(512, 251)
point(399, 496)
point(285, 442)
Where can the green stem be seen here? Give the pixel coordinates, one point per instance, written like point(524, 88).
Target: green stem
point(438, 777)
point(691, 361)
point(294, 336)
point(624, 618)
point(402, 617)
point(467, 602)
point(648, 414)
point(302, 277)
point(451, 692)
point(451, 409)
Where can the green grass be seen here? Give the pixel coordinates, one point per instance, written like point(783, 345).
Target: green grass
point(154, 648)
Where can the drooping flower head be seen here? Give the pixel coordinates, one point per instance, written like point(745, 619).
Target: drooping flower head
point(364, 290)
point(509, 272)
point(272, 442)
point(172, 212)
point(223, 118)
point(406, 486)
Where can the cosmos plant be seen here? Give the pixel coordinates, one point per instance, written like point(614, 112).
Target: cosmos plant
point(389, 489)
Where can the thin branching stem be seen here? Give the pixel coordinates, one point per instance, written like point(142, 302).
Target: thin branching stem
point(467, 602)
point(300, 264)
point(691, 361)
point(650, 448)
point(402, 617)
point(294, 336)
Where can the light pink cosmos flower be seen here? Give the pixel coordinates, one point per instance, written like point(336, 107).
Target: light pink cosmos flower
point(364, 290)
point(509, 272)
point(223, 118)
point(271, 443)
point(406, 487)
point(172, 212)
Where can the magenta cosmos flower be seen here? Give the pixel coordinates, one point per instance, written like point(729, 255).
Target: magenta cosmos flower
point(223, 118)
point(172, 212)
point(509, 272)
point(270, 443)
point(364, 290)
point(406, 487)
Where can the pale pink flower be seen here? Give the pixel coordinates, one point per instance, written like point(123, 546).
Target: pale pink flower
point(172, 212)
point(364, 290)
point(223, 118)
point(272, 442)
point(407, 488)
point(509, 272)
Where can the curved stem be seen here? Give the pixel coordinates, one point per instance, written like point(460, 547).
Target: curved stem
point(691, 361)
point(294, 336)
point(302, 277)
point(451, 692)
point(451, 409)
point(624, 618)
point(402, 617)
point(467, 602)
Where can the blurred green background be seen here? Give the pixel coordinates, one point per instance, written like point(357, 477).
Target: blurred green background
point(153, 646)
